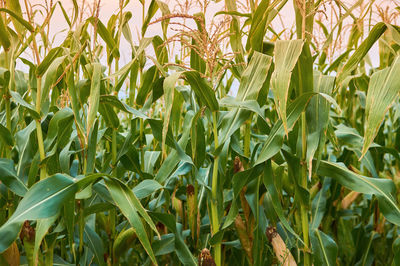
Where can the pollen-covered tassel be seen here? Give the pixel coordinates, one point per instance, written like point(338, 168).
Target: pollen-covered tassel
point(281, 251)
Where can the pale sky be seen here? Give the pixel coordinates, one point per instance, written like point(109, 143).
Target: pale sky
point(58, 26)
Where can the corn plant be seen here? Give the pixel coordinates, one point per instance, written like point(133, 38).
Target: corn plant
point(222, 141)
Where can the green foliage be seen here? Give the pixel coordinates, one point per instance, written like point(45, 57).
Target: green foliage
point(179, 172)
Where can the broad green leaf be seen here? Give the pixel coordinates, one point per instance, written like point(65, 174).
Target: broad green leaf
point(8, 177)
point(130, 206)
point(150, 159)
point(198, 140)
point(383, 89)
point(375, 33)
point(15, 12)
point(51, 76)
point(115, 102)
point(105, 35)
point(95, 243)
point(287, 54)
point(258, 26)
point(48, 60)
point(5, 136)
point(181, 249)
point(275, 139)
point(145, 188)
point(151, 11)
point(252, 80)
point(58, 126)
point(318, 206)
point(383, 189)
point(169, 89)
point(123, 242)
point(149, 77)
point(268, 180)
point(16, 18)
point(43, 225)
point(202, 90)
point(324, 248)
point(317, 114)
point(4, 35)
point(43, 200)
point(173, 159)
point(30, 108)
point(92, 147)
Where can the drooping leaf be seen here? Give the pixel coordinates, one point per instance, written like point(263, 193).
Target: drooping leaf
point(383, 89)
point(43, 200)
point(286, 56)
point(8, 177)
point(382, 188)
point(130, 206)
point(375, 33)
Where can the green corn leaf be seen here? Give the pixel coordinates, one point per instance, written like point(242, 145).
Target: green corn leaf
point(275, 139)
point(8, 177)
point(115, 102)
point(4, 35)
point(43, 200)
point(268, 180)
point(383, 189)
point(181, 249)
point(92, 147)
point(317, 114)
point(43, 225)
point(130, 206)
point(375, 33)
point(95, 243)
point(16, 14)
point(146, 187)
point(105, 35)
point(383, 89)
point(202, 90)
point(30, 108)
point(319, 204)
point(48, 60)
point(169, 89)
point(287, 54)
point(5, 136)
point(252, 80)
point(324, 248)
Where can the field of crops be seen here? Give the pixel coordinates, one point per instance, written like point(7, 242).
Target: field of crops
point(228, 138)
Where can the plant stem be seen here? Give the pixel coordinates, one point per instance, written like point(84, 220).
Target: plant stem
point(304, 181)
point(39, 128)
point(214, 191)
point(8, 118)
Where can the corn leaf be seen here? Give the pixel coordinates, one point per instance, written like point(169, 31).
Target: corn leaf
point(383, 89)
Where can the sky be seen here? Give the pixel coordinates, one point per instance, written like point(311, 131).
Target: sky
point(58, 26)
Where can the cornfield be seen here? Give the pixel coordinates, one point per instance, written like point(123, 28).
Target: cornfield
point(229, 137)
